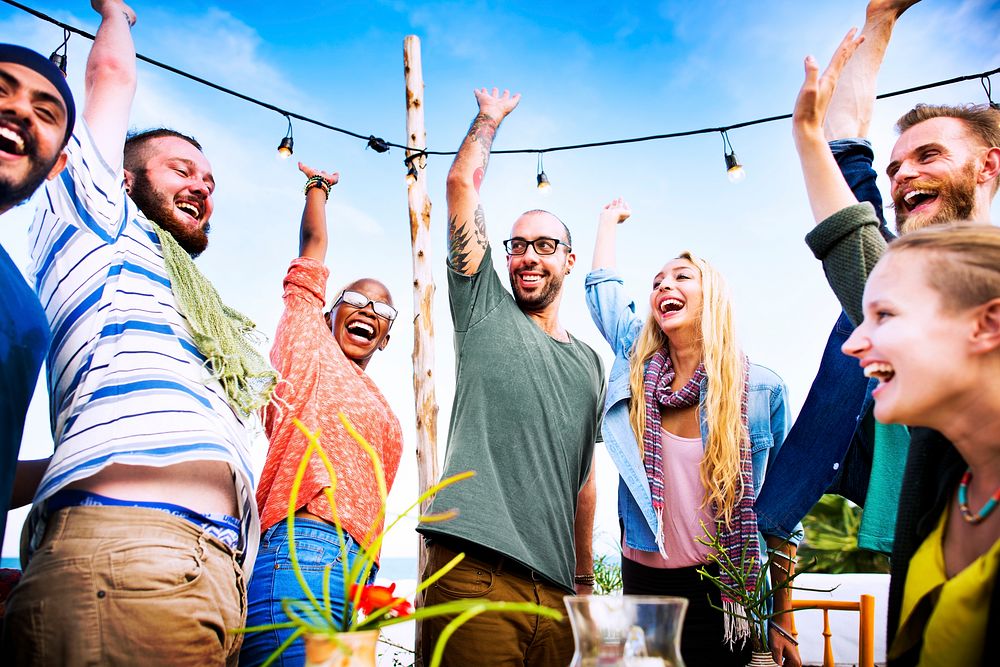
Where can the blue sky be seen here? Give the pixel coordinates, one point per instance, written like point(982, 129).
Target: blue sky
point(587, 72)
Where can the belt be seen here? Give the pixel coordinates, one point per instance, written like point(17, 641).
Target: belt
point(494, 560)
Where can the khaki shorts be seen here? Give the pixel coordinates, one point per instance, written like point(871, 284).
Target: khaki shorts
point(492, 638)
point(126, 586)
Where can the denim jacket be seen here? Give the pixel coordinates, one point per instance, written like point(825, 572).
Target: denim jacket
point(614, 314)
point(828, 449)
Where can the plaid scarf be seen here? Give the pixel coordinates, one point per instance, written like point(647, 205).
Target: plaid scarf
point(739, 539)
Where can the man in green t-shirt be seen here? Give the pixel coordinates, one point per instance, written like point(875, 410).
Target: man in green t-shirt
point(526, 414)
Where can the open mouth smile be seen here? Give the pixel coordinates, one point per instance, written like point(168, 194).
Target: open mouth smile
point(918, 198)
point(670, 305)
point(530, 279)
point(12, 141)
point(193, 209)
point(360, 330)
point(880, 370)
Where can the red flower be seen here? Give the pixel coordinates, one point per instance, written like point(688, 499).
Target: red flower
point(377, 597)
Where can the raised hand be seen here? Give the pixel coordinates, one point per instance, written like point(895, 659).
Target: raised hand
point(827, 189)
point(332, 179)
point(108, 8)
point(613, 214)
point(496, 105)
point(814, 97)
point(616, 210)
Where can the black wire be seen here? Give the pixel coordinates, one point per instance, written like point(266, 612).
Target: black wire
point(988, 87)
point(380, 145)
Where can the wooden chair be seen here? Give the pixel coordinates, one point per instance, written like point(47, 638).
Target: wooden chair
point(866, 626)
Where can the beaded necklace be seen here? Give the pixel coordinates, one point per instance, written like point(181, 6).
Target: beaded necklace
point(963, 501)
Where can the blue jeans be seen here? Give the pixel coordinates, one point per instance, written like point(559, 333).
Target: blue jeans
point(274, 580)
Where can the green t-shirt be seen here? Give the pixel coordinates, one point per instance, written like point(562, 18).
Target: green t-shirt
point(525, 417)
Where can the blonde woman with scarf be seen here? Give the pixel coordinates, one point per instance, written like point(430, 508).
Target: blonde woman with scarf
point(692, 426)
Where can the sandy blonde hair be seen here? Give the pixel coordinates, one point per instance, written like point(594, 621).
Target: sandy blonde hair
point(725, 368)
point(963, 262)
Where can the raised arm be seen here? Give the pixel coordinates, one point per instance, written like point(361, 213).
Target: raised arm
point(313, 237)
point(827, 189)
point(110, 82)
point(612, 215)
point(467, 239)
point(851, 106)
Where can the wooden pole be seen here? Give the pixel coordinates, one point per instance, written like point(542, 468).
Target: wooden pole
point(423, 280)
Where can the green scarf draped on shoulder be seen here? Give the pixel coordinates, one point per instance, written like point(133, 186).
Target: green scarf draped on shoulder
point(223, 335)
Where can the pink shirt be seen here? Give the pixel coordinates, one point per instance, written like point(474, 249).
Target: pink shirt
point(683, 495)
point(318, 381)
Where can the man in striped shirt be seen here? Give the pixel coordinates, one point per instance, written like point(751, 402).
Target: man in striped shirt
point(145, 519)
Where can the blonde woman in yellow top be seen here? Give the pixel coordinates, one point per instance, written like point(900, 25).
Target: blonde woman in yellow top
point(931, 335)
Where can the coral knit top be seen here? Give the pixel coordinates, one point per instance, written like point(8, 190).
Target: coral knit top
point(319, 381)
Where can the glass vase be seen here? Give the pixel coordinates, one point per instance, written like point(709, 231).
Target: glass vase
point(627, 630)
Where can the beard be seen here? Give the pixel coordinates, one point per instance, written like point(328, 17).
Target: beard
point(957, 197)
point(538, 299)
point(13, 191)
point(159, 208)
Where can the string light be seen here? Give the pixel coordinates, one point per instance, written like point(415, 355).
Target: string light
point(381, 145)
point(59, 59)
point(543, 181)
point(285, 147)
point(734, 170)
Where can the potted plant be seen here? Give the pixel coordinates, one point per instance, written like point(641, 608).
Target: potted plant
point(348, 638)
point(752, 603)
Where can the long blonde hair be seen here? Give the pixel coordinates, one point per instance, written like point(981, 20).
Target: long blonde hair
point(725, 368)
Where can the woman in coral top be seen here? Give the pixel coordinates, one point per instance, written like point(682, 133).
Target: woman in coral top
point(321, 357)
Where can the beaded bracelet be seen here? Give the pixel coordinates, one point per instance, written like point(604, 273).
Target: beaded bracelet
point(318, 181)
point(584, 579)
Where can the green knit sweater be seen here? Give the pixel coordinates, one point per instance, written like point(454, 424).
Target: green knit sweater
point(849, 244)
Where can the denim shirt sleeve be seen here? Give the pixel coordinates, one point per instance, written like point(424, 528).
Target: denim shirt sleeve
point(780, 425)
point(611, 309)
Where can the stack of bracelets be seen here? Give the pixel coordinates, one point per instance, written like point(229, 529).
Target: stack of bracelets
point(320, 182)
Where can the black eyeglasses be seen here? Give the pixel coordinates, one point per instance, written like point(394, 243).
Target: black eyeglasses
point(359, 301)
point(542, 245)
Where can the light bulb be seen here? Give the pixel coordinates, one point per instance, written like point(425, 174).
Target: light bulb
point(734, 170)
point(543, 183)
point(285, 148)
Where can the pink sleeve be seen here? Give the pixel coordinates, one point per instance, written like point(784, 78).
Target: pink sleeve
point(306, 280)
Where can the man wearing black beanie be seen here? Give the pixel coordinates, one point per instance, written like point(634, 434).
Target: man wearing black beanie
point(37, 115)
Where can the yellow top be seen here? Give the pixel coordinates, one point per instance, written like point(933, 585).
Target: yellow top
point(949, 613)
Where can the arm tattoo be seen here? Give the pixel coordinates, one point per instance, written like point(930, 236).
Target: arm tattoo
point(482, 131)
point(458, 240)
point(480, 230)
point(462, 237)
